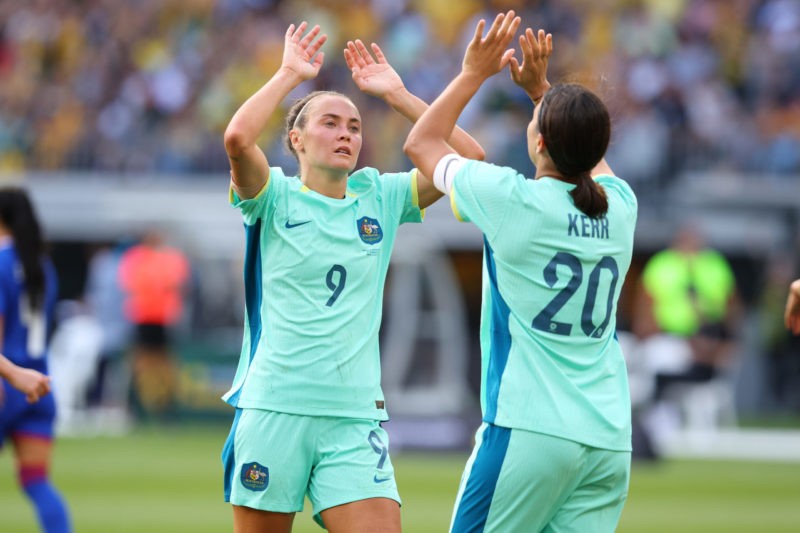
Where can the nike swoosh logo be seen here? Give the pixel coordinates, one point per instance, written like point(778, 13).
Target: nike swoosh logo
point(289, 225)
point(377, 479)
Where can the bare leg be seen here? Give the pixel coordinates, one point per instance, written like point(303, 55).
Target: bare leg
point(373, 515)
point(248, 520)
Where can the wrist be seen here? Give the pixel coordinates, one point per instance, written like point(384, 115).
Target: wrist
point(289, 76)
point(397, 97)
point(536, 96)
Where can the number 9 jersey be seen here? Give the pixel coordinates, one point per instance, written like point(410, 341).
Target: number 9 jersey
point(551, 362)
point(314, 272)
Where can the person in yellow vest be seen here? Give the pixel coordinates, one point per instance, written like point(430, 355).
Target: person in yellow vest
point(688, 290)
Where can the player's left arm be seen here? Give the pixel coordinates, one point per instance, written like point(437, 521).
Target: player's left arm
point(376, 77)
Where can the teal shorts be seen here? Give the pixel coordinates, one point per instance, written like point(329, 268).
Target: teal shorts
point(517, 480)
point(273, 460)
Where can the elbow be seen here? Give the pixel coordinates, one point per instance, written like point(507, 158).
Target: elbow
point(236, 142)
point(477, 153)
point(412, 147)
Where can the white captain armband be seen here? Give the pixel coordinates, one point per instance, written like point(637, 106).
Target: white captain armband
point(446, 170)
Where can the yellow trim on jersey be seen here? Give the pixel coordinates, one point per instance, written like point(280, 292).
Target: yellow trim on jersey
point(454, 207)
point(414, 187)
point(232, 191)
point(304, 188)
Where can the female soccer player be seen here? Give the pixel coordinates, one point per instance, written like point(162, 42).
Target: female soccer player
point(27, 297)
point(307, 390)
point(553, 451)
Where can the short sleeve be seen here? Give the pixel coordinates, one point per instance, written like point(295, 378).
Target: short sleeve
point(254, 208)
point(481, 193)
point(400, 190)
point(620, 189)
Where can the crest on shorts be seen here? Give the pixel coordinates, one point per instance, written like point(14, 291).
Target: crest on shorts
point(369, 230)
point(255, 476)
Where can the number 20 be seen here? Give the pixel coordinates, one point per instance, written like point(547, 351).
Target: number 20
point(544, 321)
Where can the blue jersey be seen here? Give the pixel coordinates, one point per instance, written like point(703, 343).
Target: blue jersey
point(552, 278)
point(24, 343)
point(314, 273)
point(24, 331)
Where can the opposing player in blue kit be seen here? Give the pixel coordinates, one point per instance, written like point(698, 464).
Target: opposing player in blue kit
point(553, 451)
point(27, 299)
point(307, 390)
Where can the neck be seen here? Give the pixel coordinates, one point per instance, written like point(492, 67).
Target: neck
point(331, 184)
point(545, 167)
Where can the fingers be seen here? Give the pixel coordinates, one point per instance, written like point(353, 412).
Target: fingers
point(307, 42)
point(499, 20)
point(356, 58)
point(379, 53)
point(477, 37)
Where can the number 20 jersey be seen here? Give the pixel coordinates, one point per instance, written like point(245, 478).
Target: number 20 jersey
point(551, 362)
point(314, 274)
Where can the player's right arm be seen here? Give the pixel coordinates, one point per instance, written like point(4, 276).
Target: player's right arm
point(249, 166)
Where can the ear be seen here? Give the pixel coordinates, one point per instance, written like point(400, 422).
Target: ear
point(540, 146)
point(296, 138)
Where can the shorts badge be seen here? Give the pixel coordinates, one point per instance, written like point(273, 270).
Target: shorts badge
point(369, 230)
point(255, 476)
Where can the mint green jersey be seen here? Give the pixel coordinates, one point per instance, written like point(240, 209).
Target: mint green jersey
point(552, 277)
point(314, 274)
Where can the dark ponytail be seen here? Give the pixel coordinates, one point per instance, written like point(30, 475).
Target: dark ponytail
point(576, 128)
point(18, 216)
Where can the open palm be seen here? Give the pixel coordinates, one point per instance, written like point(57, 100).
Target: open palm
point(373, 75)
point(299, 51)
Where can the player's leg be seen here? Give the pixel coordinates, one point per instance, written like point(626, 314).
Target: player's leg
point(363, 516)
point(353, 489)
point(33, 469)
point(514, 480)
point(32, 436)
point(248, 520)
point(596, 504)
point(267, 460)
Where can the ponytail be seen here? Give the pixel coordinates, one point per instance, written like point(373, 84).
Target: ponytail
point(576, 128)
point(589, 197)
point(18, 216)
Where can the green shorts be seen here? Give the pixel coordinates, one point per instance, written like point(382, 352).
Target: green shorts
point(517, 480)
point(273, 460)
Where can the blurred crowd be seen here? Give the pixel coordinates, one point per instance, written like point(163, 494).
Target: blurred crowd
point(149, 85)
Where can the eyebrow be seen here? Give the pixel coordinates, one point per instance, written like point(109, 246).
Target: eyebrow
point(334, 115)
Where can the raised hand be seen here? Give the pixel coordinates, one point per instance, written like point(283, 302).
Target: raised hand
point(298, 51)
point(373, 75)
point(486, 56)
point(531, 75)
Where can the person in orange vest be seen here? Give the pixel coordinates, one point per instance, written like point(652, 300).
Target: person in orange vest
point(153, 277)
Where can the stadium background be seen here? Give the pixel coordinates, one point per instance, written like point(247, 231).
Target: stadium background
point(112, 112)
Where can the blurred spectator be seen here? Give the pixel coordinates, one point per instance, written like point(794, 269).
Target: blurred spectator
point(74, 356)
point(148, 85)
point(104, 298)
point(688, 294)
point(153, 277)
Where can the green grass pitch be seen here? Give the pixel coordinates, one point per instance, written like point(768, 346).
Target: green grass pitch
point(169, 480)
